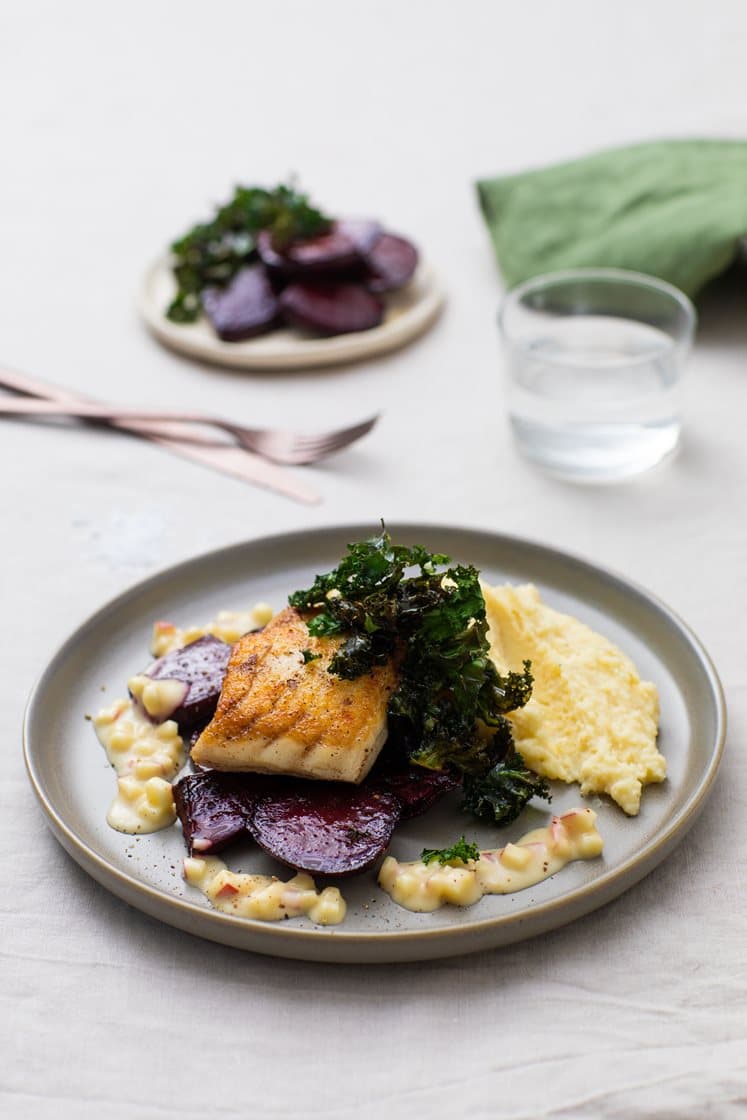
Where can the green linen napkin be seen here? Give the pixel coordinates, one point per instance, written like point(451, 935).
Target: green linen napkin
point(676, 209)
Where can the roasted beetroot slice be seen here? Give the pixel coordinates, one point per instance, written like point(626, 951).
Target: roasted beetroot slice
point(416, 788)
point(341, 250)
point(328, 251)
point(362, 232)
point(331, 252)
point(202, 667)
point(338, 309)
point(392, 262)
point(244, 308)
point(325, 828)
point(214, 809)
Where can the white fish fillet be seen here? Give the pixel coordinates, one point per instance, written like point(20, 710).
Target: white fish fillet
point(278, 714)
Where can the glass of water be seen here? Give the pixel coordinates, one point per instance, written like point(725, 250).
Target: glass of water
point(595, 359)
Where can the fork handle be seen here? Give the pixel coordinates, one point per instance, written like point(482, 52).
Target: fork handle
point(178, 438)
point(144, 423)
point(91, 410)
point(25, 383)
point(21, 382)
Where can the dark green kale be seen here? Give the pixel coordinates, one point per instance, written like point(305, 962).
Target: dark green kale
point(211, 253)
point(461, 852)
point(389, 601)
point(308, 656)
point(500, 795)
point(368, 598)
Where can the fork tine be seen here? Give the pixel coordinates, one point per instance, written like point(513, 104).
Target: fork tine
point(310, 452)
point(335, 439)
point(314, 454)
point(334, 442)
point(305, 449)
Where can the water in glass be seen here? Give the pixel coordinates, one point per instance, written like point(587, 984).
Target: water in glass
point(596, 397)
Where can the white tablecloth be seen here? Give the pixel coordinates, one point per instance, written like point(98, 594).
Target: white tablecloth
point(119, 124)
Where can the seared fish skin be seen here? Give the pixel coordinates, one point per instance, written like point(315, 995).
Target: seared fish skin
point(279, 714)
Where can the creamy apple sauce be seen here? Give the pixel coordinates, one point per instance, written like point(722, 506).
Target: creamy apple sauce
point(146, 749)
point(229, 626)
point(146, 758)
point(263, 896)
point(424, 887)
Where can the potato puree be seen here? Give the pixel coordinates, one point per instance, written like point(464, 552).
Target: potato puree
point(591, 719)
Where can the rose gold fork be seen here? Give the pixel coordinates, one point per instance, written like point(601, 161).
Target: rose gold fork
point(288, 448)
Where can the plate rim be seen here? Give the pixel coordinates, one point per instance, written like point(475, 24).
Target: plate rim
point(303, 943)
point(312, 353)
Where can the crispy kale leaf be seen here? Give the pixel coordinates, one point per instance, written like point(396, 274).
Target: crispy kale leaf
point(211, 253)
point(500, 795)
point(388, 601)
point(369, 599)
point(461, 852)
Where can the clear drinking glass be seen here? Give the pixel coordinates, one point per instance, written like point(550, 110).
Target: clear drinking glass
point(595, 359)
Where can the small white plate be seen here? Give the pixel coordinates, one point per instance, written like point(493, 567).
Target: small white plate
point(409, 312)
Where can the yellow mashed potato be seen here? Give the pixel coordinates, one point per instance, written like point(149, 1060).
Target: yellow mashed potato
point(591, 719)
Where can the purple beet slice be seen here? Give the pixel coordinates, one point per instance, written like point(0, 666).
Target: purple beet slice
point(416, 788)
point(391, 262)
point(329, 252)
point(339, 250)
point(201, 666)
point(326, 828)
point(215, 807)
point(362, 232)
point(212, 814)
point(337, 309)
point(246, 307)
point(323, 827)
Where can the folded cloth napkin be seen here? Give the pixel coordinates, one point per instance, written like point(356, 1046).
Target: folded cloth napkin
point(676, 209)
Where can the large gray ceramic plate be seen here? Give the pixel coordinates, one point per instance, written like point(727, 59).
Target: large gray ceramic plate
point(75, 785)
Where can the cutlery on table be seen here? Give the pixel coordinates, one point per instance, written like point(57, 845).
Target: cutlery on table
point(180, 439)
point(290, 448)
